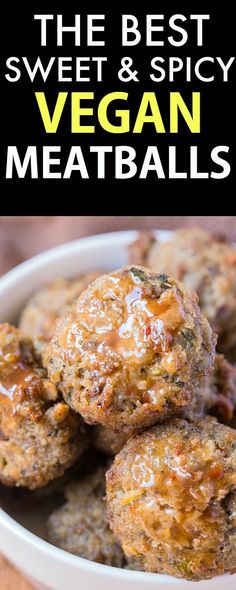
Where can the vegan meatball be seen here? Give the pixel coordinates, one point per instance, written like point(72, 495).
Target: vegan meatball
point(208, 266)
point(138, 251)
point(80, 525)
point(132, 350)
point(222, 391)
point(39, 316)
point(39, 435)
point(171, 495)
point(217, 395)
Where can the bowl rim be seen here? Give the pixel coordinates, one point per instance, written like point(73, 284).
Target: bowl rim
point(69, 248)
point(122, 238)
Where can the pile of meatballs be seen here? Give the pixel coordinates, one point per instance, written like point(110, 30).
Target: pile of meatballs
point(122, 369)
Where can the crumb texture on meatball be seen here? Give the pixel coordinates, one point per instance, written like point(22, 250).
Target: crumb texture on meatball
point(171, 495)
point(80, 525)
point(206, 264)
point(222, 391)
point(39, 316)
point(39, 435)
point(132, 349)
point(138, 251)
point(216, 395)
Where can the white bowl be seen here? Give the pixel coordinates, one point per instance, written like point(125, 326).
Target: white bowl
point(46, 565)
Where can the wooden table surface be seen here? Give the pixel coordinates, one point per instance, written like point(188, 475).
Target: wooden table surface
point(10, 578)
point(21, 237)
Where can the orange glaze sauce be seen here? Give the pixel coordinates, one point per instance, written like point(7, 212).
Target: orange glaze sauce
point(127, 319)
point(181, 477)
point(13, 377)
point(145, 325)
point(190, 462)
point(148, 318)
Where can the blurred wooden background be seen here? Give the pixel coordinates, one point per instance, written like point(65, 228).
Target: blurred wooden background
point(22, 237)
point(10, 579)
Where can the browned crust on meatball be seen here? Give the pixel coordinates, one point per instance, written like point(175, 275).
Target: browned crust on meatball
point(138, 251)
point(80, 525)
point(132, 350)
point(171, 498)
point(222, 401)
point(39, 316)
point(40, 437)
point(217, 395)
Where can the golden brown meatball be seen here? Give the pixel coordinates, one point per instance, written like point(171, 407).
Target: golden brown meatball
point(80, 525)
point(132, 350)
point(39, 435)
point(108, 441)
point(171, 495)
point(138, 251)
point(217, 395)
point(207, 265)
point(222, 394)
point(39, 316)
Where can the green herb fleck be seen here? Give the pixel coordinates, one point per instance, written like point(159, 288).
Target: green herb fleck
point(163, 279)
point(138, 273)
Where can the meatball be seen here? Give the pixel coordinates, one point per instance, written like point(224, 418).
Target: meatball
point(222, 395)
point(131, 563)
point(39, 435)
point(171, 495)
point(80, 525)
point(207, 265)
point(132, 350)
point(39, 316)
point(217, 395)
point(138, 251)
point(108, 441)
